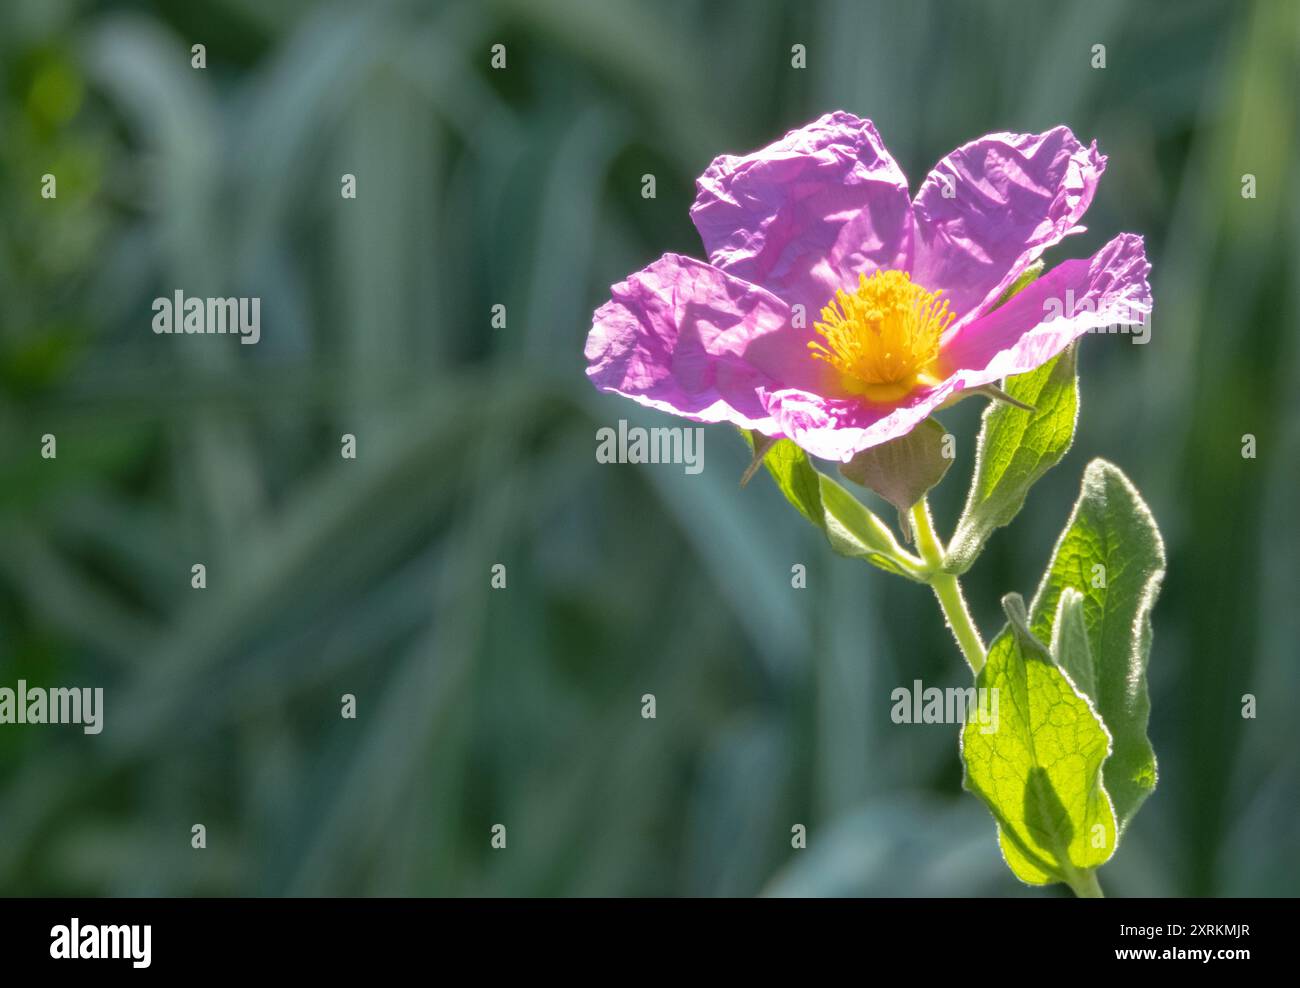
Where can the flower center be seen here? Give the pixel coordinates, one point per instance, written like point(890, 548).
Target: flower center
point(884, 337)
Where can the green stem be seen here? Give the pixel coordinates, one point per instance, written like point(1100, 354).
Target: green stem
point(1085, 885)
point(947, 588)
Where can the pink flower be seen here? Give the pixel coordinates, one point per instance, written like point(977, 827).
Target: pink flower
point(838, 312)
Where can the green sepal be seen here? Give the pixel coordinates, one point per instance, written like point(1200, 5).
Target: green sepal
point(849, 525)
point(903, 469)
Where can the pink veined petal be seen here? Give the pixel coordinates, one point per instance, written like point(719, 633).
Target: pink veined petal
point(990, 208)
point(675, 335)
point(805, 215)
point(840, 428)
point(1108, 289)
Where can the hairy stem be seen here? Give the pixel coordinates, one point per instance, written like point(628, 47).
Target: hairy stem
point(947, 588)
point(1085, 885)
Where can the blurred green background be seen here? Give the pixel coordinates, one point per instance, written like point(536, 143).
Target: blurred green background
point(476, 446)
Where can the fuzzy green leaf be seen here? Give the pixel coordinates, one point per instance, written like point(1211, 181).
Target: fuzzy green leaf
point(1038, 765)
point(1015, 448)
point(1112, 559)
point(1070, 647)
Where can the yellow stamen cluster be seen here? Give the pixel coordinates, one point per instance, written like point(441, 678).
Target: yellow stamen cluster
point(884, 337)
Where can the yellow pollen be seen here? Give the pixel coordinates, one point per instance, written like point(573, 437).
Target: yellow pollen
point(884, 337)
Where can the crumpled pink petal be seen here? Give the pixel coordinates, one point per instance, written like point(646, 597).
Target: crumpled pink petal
point(1110, 288)
point(674, 336)
point(803, 216)
point(990, 208)
point(840, 428)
